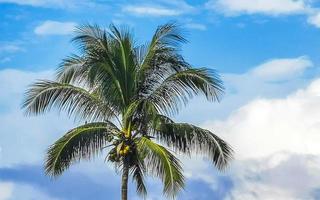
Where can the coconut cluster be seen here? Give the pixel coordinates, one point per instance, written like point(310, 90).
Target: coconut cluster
point(115, 155)
point(124, 150)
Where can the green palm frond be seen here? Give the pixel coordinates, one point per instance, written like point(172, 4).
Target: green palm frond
point(73, 69)
point(138, 173)
point(187, 138)
point(44, 95)
point(125, 60)
point(90, 36)
point(83, 142)
point(163, 164)
point(161, 54)
point(179, 87)
point(138, 113)
point(111, 61)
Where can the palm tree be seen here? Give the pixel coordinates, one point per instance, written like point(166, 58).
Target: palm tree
point(125, 92)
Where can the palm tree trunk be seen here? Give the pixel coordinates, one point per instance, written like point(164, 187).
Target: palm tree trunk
point(124, 184)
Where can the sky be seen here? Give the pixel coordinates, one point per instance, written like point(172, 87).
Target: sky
point(266, 51)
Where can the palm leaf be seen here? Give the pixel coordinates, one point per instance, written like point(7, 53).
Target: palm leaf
point(44, 95)
point(163, 164)
point(166, 36)
point(73, 69)
point(83, 142)
point(138, 171)
point(90, 36)
point(160, 55)
point(187, 138)
point(175, 90)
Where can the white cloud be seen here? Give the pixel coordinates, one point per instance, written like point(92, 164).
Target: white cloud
point(292, 177)
point(55, 28)
point(282, 69)
point(268, 7)
point(9, 48)
point(276, 143)
point(196, 26)
point(314, 19)
point(6, 190)
point(273, 125)
point(161, 8)
point(151, 10)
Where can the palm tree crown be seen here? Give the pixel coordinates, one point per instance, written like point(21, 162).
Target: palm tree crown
point(126, 93)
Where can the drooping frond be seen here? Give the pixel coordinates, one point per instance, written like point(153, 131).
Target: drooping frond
point(163, 164)
point(73, 69)
point(44, 95)
point(176, 89)
point(83, 142)
point(187, 138)
point(138, 173)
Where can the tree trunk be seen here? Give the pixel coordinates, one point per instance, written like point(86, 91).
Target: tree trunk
point(124, 184)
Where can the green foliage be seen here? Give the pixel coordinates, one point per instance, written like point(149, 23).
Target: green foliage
point(115, 80)
point(77, 101)
point(163, 164)
point(138, 173)
point(83, 142)
point(187, 138)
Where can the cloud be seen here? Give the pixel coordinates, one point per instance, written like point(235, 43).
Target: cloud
point(282, 69)
point(55, 28)
point(279, 176)
point(274, 139)
point(314, 19)
point(6, 51)
point(151, 11)
point(6, 190)
point(196, 26)
point(273, 125)
point(9, 48)
point(163, 8)
point(268, 7)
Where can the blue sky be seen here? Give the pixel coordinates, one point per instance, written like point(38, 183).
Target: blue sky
point(267, 52)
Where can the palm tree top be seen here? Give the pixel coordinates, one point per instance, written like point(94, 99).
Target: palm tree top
point(127, 92)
